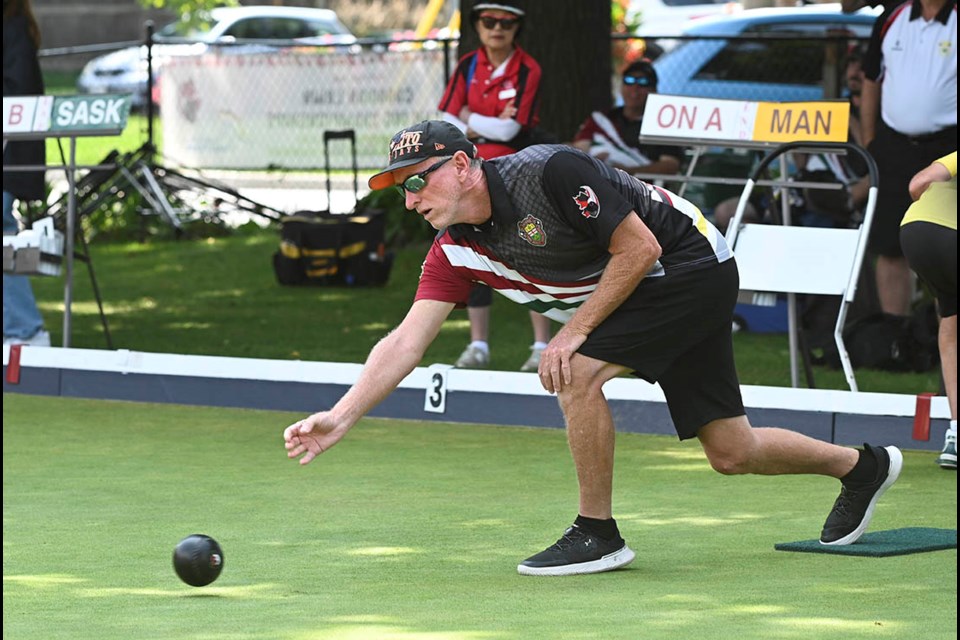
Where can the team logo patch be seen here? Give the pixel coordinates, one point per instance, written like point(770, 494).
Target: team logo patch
point(531, 230)
point(587, 202)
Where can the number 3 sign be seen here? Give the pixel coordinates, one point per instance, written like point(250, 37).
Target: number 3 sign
point(435, 400)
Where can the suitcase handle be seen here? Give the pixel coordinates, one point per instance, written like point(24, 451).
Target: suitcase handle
point(341, 134)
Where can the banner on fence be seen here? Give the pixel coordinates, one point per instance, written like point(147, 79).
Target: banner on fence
point(269, 110)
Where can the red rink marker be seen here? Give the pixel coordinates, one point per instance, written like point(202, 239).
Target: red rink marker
point(13, 366)
point(921, 417)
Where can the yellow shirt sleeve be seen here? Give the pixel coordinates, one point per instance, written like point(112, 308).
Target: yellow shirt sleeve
point(950, 162)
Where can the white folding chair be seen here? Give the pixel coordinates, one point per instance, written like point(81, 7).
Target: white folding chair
point(778, 259)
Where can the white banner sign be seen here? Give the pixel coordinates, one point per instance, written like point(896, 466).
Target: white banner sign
point(264, 110)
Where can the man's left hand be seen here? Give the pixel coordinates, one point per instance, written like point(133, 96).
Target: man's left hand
point(554, 367)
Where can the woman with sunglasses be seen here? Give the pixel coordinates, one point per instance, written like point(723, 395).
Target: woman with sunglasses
point(614, 136)
point(493, 98)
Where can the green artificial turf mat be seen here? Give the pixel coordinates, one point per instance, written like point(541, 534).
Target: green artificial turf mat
point(880, 544)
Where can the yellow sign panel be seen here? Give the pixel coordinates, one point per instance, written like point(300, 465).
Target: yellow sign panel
point(802, 121)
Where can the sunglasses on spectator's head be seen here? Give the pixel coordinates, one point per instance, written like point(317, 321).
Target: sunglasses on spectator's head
point(489, 22)
point(640, 81)
point(416, 182)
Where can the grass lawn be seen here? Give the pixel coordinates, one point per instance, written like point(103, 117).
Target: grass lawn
point(220, 297)
point(409, 530)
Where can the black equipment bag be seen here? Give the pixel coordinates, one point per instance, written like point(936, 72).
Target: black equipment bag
point(323, 248)
point(891, 343)
point(333, 250)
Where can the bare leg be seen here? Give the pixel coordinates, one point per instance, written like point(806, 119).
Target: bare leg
point(479, 323)
point(948, 360)
point(590, 433)
point(541, 327)
point(894, 285)
point(733, 447)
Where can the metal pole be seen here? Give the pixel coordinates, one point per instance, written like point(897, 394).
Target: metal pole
point(149, 26)
point(68, 245)
point(446, 61)
point(792, 314)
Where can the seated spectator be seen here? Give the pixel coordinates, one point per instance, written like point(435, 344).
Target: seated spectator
point(614, 136)
point(809, 206)
point(817, 207)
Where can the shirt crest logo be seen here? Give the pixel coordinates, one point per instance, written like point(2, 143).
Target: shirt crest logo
point(587, 202)
point(531, 230)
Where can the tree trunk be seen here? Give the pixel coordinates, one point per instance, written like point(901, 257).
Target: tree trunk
point(571, 41)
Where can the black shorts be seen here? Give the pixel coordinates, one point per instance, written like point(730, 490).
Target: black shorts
point(677, 330)
point(480, 296)
point(931, 250)
point(898, 159)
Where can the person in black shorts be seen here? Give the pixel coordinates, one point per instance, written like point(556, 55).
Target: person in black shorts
point(908, 119)
point(642, 282)
point(928, 234)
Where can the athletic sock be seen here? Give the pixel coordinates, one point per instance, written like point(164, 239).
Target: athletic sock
point(606, 529)
point(539, 345)
point(864, 471)
point(482, 345)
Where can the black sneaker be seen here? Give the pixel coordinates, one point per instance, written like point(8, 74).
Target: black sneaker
point(578, 552)
point(854, 508)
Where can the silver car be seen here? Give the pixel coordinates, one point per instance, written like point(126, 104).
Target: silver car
point(125, 70)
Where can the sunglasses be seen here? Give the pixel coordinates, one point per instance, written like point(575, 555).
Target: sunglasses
point(416, 182)
point(640, 81)
point(489, 22)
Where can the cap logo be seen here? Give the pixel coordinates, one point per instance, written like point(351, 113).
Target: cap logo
point(406, 143)
point(438, 146)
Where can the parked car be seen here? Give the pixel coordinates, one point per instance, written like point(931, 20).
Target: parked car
point(125, 70)
point(659, 18)
point(710, 66)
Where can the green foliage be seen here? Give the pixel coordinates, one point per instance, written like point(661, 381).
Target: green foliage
point(188, 8)
point(127, 217)
point(404, 227)
point(622, 18)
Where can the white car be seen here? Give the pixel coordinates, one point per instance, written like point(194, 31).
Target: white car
point(671, 17)
point(125, 71)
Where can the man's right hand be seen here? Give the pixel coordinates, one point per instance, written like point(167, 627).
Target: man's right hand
point(311, 436)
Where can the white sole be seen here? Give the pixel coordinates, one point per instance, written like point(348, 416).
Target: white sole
point(896, 464)
point(609, 562)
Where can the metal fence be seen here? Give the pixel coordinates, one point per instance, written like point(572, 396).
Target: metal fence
point(267, 105)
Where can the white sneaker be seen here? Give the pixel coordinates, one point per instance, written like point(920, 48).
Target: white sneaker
point(472, 358)
point(948, 457)
point(39, 339)
point(533, 362)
